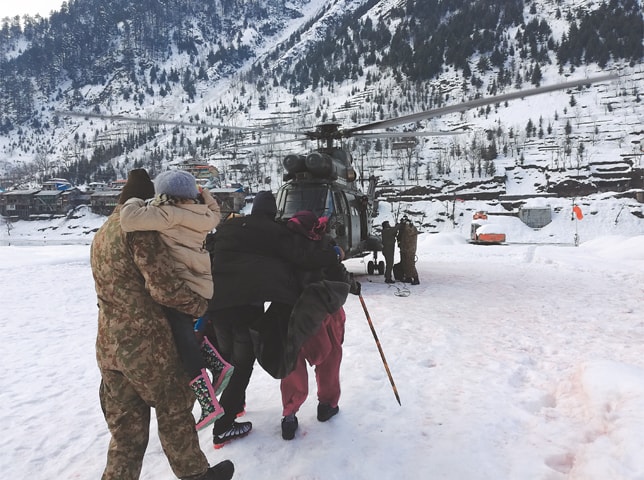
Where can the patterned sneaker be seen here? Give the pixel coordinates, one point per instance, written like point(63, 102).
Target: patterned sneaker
point(237, 430)
point(326, 411)
point(289, 426)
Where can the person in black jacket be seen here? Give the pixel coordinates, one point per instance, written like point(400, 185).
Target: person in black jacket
point(389, 235)
point(253, 261)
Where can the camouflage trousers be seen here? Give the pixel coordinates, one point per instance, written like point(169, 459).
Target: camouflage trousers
point(388, 253)
point(126, 399)
point(408, 263)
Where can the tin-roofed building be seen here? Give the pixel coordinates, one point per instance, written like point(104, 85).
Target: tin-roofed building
point(18, 204)
point(104, 201)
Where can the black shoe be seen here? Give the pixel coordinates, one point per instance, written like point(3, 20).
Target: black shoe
point(415, 281)
point(389, 280)
point(326, 411)
point(236, 430)
point(222, 471)
point(289, 426)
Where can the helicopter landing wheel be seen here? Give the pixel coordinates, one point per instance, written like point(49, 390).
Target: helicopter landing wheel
point(381, 267)
point(371, 267)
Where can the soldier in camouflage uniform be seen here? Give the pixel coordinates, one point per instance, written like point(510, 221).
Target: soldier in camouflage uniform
point(136, 354)
point(407, 242)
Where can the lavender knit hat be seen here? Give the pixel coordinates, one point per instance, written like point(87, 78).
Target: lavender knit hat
point(176, 183)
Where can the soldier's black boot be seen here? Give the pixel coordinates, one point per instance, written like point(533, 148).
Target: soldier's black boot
point(222, 471)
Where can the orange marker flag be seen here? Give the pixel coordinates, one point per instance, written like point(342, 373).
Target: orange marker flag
point(577, 211)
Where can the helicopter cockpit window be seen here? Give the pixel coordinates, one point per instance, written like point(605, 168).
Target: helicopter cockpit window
point(315, 199)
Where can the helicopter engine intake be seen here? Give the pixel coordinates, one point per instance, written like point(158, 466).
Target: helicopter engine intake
point(294, 164)
point(321, 165)
point(332, 166)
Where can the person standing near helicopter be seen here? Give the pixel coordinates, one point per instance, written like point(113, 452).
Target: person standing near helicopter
point(407, 242)
point(389, 235)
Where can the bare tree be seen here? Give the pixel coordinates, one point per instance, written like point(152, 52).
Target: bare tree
point(8, 225)
point(42, 165)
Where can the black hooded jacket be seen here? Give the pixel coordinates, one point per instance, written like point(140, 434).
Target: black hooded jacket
point(254, 259)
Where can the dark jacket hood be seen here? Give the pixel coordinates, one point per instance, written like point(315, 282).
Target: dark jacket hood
point(264, 204)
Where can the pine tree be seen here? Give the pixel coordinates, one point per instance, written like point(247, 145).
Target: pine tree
point(536, 77)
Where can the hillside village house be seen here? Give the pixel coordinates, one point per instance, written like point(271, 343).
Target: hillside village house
point(58, 196)
point(103, 202)
point(17, 204)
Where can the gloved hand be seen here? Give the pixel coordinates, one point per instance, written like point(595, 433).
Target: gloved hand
point(356, 288)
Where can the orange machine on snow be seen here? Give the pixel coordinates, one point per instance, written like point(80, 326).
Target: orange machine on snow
point(483, 232)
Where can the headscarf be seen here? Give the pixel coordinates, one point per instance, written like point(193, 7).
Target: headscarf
point(308, 224)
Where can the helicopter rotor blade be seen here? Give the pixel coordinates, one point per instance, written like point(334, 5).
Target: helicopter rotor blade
point(437, 112)
point(407, 134)
point(331, 132)
point(269, 144)
point(290, 140)
point(178, 123)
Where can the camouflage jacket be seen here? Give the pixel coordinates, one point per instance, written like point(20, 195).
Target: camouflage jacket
point(134, 276)
point(408, 238)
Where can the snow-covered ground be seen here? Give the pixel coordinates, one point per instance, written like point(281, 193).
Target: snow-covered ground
point(519, 361)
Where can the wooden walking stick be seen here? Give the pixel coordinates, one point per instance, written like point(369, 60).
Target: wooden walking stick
point(382, 354)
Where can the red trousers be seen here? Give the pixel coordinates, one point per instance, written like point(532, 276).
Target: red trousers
point(324, 351)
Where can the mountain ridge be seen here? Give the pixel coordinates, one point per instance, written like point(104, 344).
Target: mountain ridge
point(258, 89)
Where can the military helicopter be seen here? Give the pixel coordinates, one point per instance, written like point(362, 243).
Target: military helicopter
point(324, 180)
